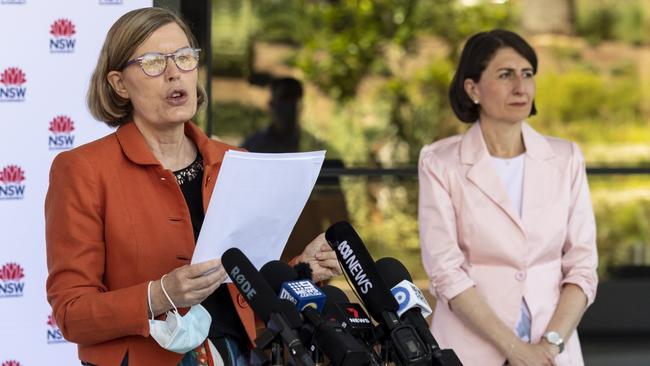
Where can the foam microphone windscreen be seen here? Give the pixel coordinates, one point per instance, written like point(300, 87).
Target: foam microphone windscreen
point(250, 283)
point(392, 271)
point(407, 294)
point(334, 296)
point(350, 315)
point(276, 273)
point(360, 268)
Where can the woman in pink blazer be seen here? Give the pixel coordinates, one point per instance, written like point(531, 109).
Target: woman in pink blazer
point(506, 223)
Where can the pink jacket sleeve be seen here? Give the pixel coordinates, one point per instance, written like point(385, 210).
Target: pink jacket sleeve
point(580, 258)
point(441, 255)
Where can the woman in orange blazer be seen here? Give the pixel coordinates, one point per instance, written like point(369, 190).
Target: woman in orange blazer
point(506, 223)
point(125, 210)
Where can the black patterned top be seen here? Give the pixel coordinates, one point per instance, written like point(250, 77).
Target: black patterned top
point(225, 320)
point(190, 172)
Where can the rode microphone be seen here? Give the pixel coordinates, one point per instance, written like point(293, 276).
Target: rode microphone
point(400, 340)
point(280, 319)
point(413, 307)
point(341, 348)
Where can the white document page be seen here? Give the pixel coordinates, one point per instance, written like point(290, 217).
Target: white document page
point(256, 201)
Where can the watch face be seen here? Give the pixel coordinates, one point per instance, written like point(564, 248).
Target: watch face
point(553, 337)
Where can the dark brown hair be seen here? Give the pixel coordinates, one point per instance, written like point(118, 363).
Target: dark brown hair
point(477, 54)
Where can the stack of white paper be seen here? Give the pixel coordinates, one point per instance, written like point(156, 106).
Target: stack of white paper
point(256, 202)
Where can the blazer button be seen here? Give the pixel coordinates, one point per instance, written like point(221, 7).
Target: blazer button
point(520, 275)
point(241, 301)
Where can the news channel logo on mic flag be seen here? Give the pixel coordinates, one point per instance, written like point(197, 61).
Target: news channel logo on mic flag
point(303, 293)
point(12, 89)
point(12, 187)
point(356, 315)
point(54, 334)
point(62, 40)
point(61, 136)
point(12, 282)
point(409, 296)
point(401, 294)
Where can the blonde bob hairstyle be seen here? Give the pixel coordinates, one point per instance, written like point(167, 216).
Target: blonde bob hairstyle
point(124, 37)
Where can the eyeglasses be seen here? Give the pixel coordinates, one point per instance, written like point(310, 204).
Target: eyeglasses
point(155, 63)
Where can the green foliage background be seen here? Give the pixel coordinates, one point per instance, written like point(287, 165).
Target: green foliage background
point(383, 67)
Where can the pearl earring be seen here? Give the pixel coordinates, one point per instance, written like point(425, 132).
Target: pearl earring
point(476, 102)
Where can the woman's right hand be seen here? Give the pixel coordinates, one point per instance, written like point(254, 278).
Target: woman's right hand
point(526, 354)
point(187, 285)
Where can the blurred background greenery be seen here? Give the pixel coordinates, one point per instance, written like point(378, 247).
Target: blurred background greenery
point(376, 74)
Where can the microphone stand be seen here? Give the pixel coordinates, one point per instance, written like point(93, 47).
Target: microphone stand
point(277, 354)
point(385, 353)
point(316, 355)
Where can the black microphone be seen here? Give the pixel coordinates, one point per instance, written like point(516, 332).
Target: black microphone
point(341, 348)
point(402, 339)
point(280, 318)
point(360, 268)
point(413, 307)
point(352, 316)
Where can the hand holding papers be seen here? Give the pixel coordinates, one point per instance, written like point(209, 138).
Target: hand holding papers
point(256, 202)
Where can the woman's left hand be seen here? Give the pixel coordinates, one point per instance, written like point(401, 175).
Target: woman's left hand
point(321, 259)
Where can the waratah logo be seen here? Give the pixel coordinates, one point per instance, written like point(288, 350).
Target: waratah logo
point(11, 280)
point(11, 363)
point(62, 41)
point(53, 332)
point(13, 90)
point(11, 182)
point(13, 76)
point(61, 137)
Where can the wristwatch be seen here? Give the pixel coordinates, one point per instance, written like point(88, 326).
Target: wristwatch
point(555, 338)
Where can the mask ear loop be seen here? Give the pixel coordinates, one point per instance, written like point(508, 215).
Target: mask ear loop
point(179, 318)
point(162, 285)
point(149, 299)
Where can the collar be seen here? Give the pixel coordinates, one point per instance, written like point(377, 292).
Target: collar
point(136, 149)
point(473, 147)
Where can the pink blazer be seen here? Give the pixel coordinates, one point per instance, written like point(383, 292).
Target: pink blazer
point(472, 236)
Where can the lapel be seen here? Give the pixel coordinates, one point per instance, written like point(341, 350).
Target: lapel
point(483, 174)
point(539, 175)
point(212, 153)
point(136, 149)
point(134, 146)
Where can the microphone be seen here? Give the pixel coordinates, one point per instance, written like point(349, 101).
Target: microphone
point(352, 316)
point(413, 307)
point(279, 318)
point(303, 294)
point(341, 348)
point(409, 296)
point(407, 346)
point(289, 285)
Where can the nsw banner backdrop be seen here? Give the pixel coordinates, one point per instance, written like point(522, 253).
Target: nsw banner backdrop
point(49, 49)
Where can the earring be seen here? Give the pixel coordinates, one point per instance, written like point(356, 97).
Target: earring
point(476, 102)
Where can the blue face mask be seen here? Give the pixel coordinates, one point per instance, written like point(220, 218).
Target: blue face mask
point(177, 333)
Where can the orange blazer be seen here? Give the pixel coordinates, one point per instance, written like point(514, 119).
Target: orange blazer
point(471, 235)
point(116, 219)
